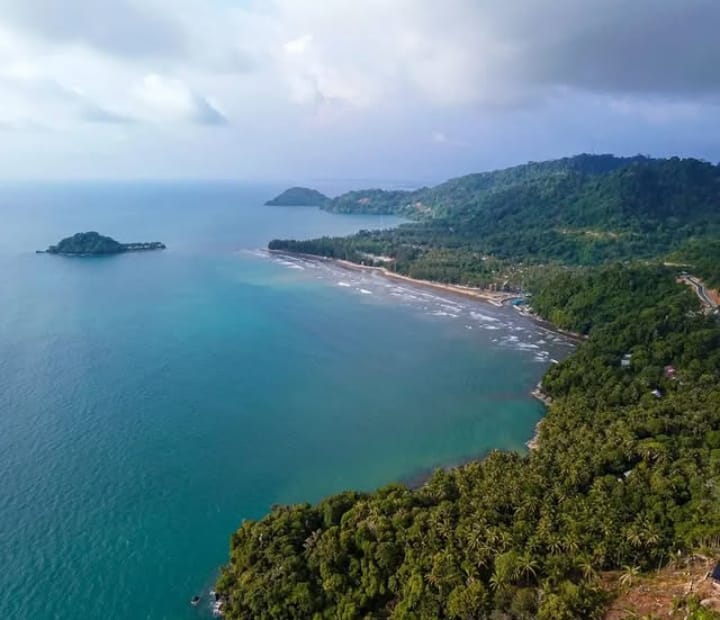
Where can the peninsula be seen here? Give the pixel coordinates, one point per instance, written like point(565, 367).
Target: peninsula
point(95, 244)
point(299, 197)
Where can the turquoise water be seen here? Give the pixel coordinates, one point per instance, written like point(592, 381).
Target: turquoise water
point(150, 402)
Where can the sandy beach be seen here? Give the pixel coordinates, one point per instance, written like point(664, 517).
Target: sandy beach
point(493, 297)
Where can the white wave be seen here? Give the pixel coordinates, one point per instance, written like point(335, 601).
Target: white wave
point(344, 284)
point(257, 252)
point(479, 316)
point(364, 291)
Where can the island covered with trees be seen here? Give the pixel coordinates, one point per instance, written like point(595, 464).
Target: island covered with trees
point(299, 197)
point(95, 244)
point(625, 478)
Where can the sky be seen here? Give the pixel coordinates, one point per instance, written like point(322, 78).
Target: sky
point(416, 90)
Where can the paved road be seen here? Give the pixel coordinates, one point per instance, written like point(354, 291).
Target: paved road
point(701, 292)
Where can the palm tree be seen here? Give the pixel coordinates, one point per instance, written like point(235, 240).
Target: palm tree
point(628, 575)
point(527, 567)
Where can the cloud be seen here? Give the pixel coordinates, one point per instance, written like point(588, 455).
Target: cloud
point(464, 52)
point(170, 99)
point(299, 45)
point(122, 27)
point(404, 81)
point(93, 113)
point(22, 126)
point(443, 139)
point(205, 113)
point(646, 47)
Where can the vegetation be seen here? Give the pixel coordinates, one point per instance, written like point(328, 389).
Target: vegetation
point(703, 258)
point(299, 197)
point(95, 244)
point(584, 210)
point(627, 472)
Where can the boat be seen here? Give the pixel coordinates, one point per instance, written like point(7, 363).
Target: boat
point(194, 601)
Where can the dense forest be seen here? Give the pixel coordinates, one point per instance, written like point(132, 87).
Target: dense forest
point(86, 243)
point(626, 476)
point(582, 210)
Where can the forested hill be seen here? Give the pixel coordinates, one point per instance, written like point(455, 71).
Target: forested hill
point(467, 190)
point(582, 210)
point(299, 197)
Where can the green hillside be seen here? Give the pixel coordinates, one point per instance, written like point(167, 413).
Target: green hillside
point(582, 210)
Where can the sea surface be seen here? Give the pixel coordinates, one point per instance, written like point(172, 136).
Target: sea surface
point(150, 402)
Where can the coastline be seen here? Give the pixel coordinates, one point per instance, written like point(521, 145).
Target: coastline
point(496, 299)
point(534, 442)
point(418, 479)
point(492, 297)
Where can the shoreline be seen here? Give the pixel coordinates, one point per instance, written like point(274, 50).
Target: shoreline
point(534, 442)
point(499, 300)
point(492, 297)
point(418, 479)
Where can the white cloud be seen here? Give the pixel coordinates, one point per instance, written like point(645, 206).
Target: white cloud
point(164, 99)
point(299, 45)
point(343, 74)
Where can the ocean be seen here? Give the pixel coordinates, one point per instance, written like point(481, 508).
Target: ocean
point(150, 402)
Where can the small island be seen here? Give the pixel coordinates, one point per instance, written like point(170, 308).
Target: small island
point(95, 244)
point(299, 197)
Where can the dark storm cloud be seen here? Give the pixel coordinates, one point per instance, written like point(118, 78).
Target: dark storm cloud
point(645, 47)
point(121, 27)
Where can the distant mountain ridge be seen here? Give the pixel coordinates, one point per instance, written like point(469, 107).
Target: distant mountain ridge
point(430, 201)
point(580, 210)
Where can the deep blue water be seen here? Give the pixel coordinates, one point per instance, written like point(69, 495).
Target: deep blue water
point(150, 402)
